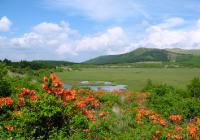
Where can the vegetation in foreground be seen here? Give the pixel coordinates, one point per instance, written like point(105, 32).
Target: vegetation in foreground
point(48, 111)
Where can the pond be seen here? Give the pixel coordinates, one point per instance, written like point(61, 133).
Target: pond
point(104, 87)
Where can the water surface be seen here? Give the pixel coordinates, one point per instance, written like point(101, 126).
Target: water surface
point(104, 87)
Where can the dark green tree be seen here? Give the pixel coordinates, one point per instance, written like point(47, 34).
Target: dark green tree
point(4, 85)
point(194, 87)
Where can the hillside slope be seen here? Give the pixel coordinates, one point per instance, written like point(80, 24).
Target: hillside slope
point(183, 51)
point(138, 55)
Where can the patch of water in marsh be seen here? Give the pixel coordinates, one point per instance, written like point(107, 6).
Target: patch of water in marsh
point(104, 87)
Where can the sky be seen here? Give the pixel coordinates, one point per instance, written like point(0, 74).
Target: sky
point(79, 30)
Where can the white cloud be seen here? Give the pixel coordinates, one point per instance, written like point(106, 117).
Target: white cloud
point(164, 38)
point(46, 28)
point(60, 42)
point(5, 24)
point(65, 48)
point(44, 42)
point(198, 23)
point(171, 22)
point(113, 40)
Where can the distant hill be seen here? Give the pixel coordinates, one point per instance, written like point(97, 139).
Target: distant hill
point(138, 55)
point(183, 51)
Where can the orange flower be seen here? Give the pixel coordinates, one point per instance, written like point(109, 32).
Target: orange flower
point(139, 115)
point(9, 127)
point(45, 78)
point(101, 113)
point(178, 128)
point(123, 111)
point(68, 98)
point(175, 118)
point(21, 102)
point(132, 130)
point(53, 75)
point(163, 122)
point(167, 135)
point(86, 130)
point(176, 136)
point(105, 118)
point(154, 117)
point(158, 132)
point(155, 138)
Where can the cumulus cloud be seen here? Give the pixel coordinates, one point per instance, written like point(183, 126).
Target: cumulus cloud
point(168, 38)
point(5, 24)
point(113, 41)
point(59, 41)
point(46, 28)
point(45, 41)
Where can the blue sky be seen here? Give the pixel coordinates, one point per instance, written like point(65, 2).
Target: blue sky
point(79, 30)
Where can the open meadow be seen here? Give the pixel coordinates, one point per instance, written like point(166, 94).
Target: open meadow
point(135, 78)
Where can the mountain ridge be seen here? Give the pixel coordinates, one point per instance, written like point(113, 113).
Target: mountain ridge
point(138, 55)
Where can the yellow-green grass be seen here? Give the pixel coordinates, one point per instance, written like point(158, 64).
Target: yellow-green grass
point(135, 78)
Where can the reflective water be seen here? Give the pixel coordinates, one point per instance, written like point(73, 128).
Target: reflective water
point(108, 88)
point(84, 82)
point(104, 82)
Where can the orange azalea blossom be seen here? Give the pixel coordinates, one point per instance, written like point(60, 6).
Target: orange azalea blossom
point(132, 130)
point(154, 117)
point(9, 127)
point(6, 101)
point(45, 78)
point(21, 102)
point(163, 122)
point(140, 122)
point(178, 128)
point(167, 135)
point(193, 130)
point(86, 130)
point(147, 112)
point(105, 118)
point(53, 75)
point(91, 117)
point(139, 115)
point(155, 138)
point(197, 119)
point(17, 112)
point(25, 92)
point(176, 136)
point(158, 132)
point(175, 118)
point(123, 111)
point(101, 113)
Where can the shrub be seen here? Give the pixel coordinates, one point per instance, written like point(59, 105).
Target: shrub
point(4, 85)
point(194, 87)
point(46, 113)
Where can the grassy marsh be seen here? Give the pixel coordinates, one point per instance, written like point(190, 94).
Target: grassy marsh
point(135, 78)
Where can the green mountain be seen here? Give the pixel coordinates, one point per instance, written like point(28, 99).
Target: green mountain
point(183, 51)
point(138, 55)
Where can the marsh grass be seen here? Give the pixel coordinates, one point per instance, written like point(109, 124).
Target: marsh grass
point(135, 78)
